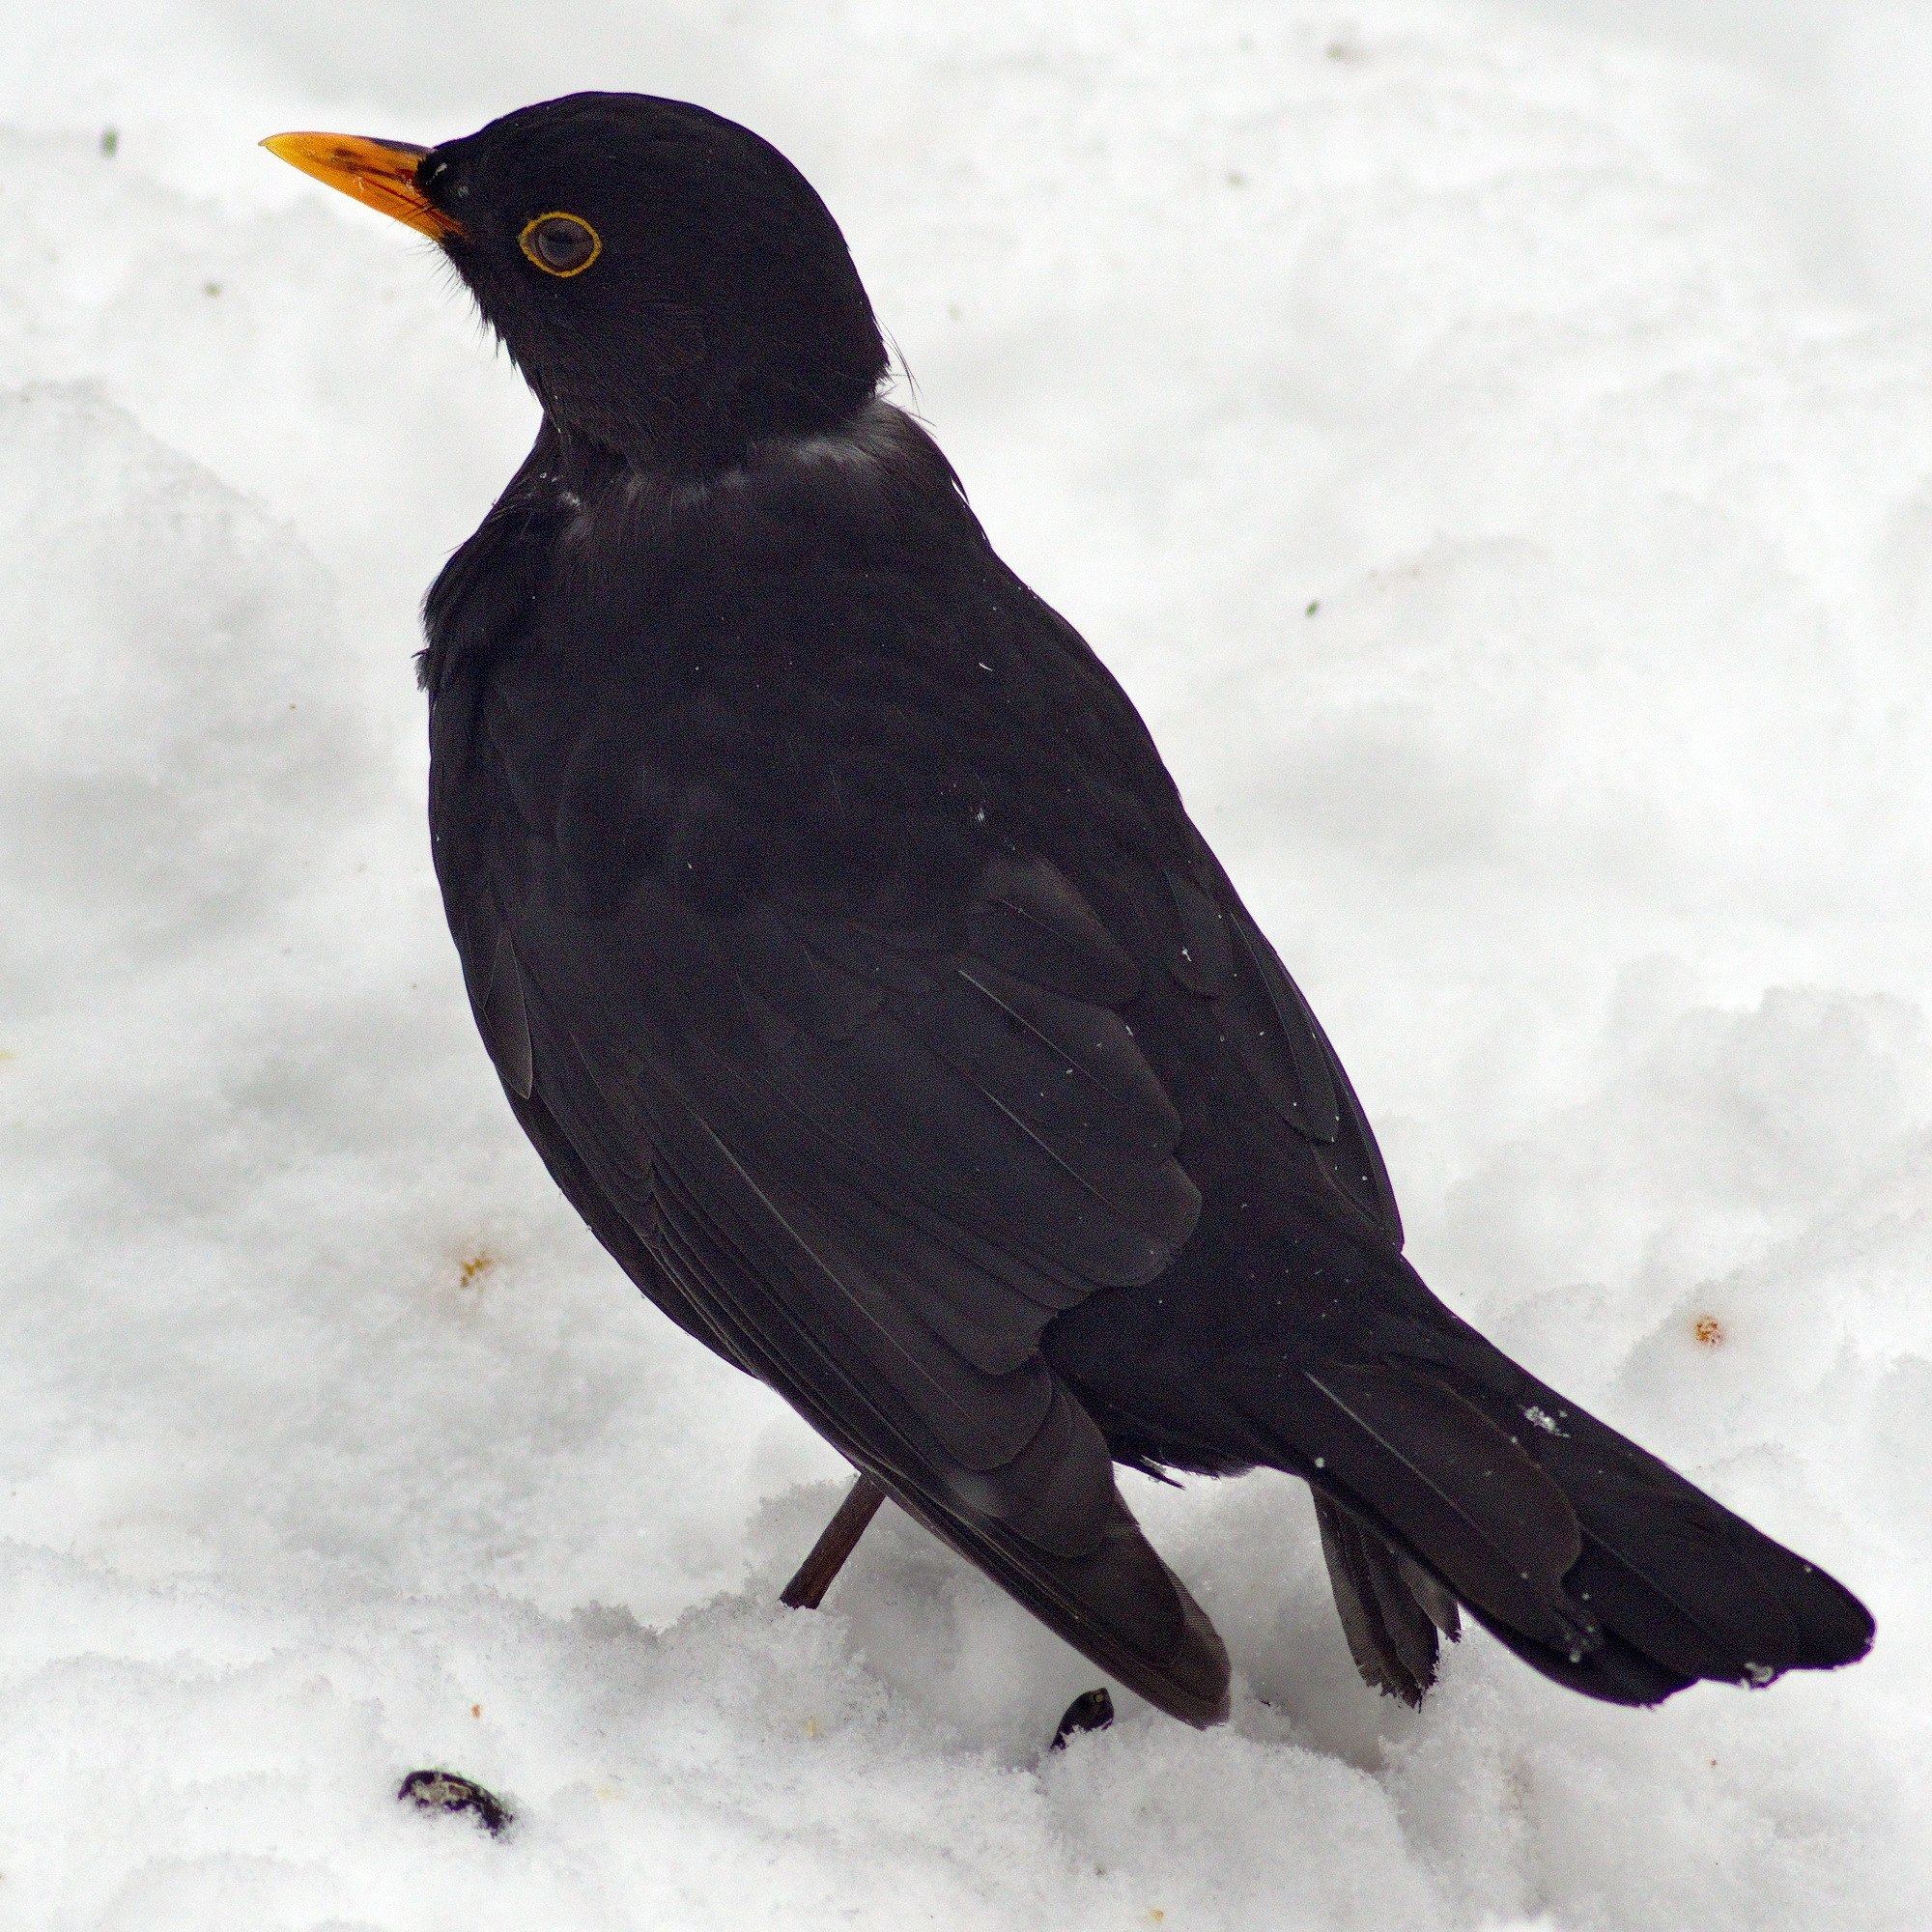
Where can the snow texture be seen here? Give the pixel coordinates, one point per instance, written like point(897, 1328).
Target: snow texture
point(1495, 446)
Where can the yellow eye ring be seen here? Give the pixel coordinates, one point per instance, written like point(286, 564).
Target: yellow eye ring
point(566, 263)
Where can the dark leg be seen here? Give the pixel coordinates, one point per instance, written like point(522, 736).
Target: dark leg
point(806, 1590)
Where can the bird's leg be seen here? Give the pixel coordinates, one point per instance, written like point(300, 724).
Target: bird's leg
point(807, 1589)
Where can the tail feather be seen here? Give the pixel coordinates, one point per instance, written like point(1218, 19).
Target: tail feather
point(1583, 1554)
point(1614, 1672)
point(1411, 1456)
point(1393, 1613)
point(1689, 1584)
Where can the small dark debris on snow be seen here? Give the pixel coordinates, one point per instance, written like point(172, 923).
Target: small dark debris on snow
point(110, 140)
point(1091, 1711)
point(447, 1791)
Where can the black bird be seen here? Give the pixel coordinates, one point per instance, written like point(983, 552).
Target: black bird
point(843, 947)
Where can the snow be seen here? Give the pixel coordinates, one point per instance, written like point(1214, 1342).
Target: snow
point(1496, 446)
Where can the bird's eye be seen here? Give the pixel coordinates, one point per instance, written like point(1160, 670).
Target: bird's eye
point(560, 245)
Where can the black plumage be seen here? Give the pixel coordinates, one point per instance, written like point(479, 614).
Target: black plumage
point(845, 950)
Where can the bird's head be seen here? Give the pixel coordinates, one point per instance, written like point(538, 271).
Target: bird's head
point(670, 285)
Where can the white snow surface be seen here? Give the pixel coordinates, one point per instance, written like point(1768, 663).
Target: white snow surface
point(1495, 448)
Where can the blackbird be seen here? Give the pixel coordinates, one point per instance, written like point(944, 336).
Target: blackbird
point(843, 947)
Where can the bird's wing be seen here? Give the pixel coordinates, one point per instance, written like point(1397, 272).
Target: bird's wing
point(871, 1160)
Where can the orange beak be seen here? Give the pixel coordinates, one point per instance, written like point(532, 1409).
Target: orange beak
point(380, 173)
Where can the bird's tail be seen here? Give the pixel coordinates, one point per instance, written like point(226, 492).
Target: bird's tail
point(1449, 1476)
